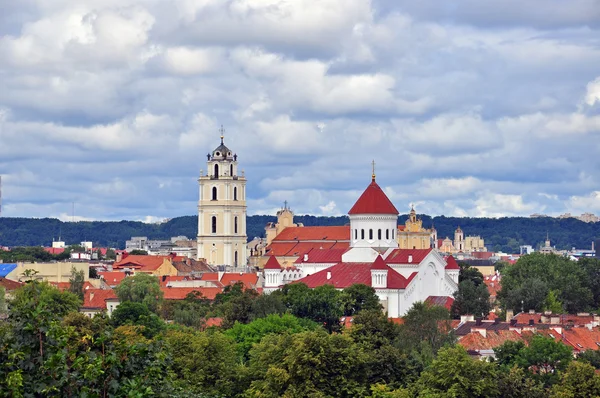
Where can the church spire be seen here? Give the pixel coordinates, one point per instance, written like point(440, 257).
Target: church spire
point(222, 131)
point(373, 174)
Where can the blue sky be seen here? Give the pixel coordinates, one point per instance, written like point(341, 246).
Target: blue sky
point(469, 108)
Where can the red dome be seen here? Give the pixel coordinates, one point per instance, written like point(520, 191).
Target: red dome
point(373, 201)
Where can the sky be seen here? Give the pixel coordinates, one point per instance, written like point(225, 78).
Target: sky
point(469, 108)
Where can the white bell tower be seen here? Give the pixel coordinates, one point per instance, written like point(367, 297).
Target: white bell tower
point(222, 209)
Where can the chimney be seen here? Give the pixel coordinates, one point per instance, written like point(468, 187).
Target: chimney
point(328, 275)
point(410, 258)
point(306, 257)
point(509, 315)
point(532, 312)
point(478, 321)
point(466, 318)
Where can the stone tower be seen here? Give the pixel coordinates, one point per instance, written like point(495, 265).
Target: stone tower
point(459, 240)
point(222, 210)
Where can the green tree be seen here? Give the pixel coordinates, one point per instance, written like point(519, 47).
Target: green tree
point(138, 252)
point(246, 335)
point(110, 254)
point(471, 299)
point(590, 356)
point(322, 304)
point(580, 380)
point(454, 374)
point(131, 313)
point(141, 288)
point(516, 383)
point(76, 282)
point(267, 304)
point(359, 297)
point(545, 358)
point(428, 324)
point(552, 303)
point(235, 304)
point(468, 273)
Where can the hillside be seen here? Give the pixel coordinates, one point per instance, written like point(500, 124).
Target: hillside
point(505, 234)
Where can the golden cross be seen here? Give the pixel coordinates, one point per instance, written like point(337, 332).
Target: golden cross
point(373, 164)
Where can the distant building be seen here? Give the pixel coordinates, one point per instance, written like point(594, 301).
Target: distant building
point(51, 272)
point(461, 244)
point(526, 249)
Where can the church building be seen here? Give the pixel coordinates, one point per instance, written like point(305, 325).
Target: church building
point(222, 210)
point(400, 277)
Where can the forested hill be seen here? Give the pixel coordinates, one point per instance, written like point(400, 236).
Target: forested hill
point(505, 234)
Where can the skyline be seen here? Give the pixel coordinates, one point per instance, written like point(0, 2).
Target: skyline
point(468, 109)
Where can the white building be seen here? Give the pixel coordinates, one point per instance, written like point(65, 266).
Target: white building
point(400, 277)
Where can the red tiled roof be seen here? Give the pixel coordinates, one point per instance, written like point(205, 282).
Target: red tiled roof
point(141, 262)
point(401, 228)
point(54, 250)
point(96, 298)
point(321, 256)
point(442, 301)
point(582, 338)
point(482, 255)
point(451, 263)
point(180, 293)
point(476, 342)
point(373, 201)
point(164, 280)
point(348, 274)
point(400, 256)
point(440, 243)
point(272, 263)
point(493, 284)
point(9, 285)
point(213, 322)
point(296, 249)
point(210, 276)
point(329, 233)
point(112, 278)
point(248, 279)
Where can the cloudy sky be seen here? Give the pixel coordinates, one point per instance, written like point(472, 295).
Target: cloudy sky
point(469, 108)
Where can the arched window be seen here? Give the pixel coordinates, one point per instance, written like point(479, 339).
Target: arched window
point(370, 234)
point(231, 170)
point(234, 193)
point(214, 225)
point(393, 234)
point(362, 234)
point(379, 234)
point(216, 171)
point(355, 234)
point(214, 193)
point(235, 258)
point(235, 229)
point(387, 234)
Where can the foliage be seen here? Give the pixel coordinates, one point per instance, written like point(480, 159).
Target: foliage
point(579, 380)
point(527, 284)
point(141, 288)
point(359, 297)
point(428, 324)
point(471, 299)
point(138, 252)
point(131, 313)
point(322, 304)
point(236, 304)
point(29, 254)
point(76, 282)
point(514, 382)
point(454, 374)
point(247, 335)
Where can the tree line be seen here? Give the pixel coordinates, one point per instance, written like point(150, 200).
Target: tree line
point(287, 344)
point(500, 234)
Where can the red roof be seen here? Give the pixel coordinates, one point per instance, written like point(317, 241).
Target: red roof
point(210, 276)
point(442, 301)
point(96, 298)
point(141, 262)
point(213, 322)
point(296, 249)
point(379, 264)
point(248, 279)
point(321, 256)
point(165, 279)
point(54, 250)
point(348, 274)
point(451, 263)
point(112, 278)
point(400, 256)
point(314, 233)
point(180, 293)
point(373, 201)
point(9, 285)
point(62, 286)
point(272, 263)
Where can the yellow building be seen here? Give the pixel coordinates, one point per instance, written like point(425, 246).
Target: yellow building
point(51, 272)
point(222, 210)
point(413, 236)
point(461, 243)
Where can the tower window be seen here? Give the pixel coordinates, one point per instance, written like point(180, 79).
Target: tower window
point(235, 224)
point(216, 171)
point(234, 193)
point(214, 225)
point(235, 258)
point(370, 234)
point(355, 234)
point(362, 234)
point(387, 234)
point(392, 234)
point(379, 234)
point(231, 170)
point(214, 193)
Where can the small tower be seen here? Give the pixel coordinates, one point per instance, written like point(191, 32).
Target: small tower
point(379, 273)
point(222, 209)
point(459, 240)
point(272, 273)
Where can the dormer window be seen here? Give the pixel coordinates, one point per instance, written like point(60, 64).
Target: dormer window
point(217, 153)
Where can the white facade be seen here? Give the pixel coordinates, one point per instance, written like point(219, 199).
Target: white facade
point(373, 230)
